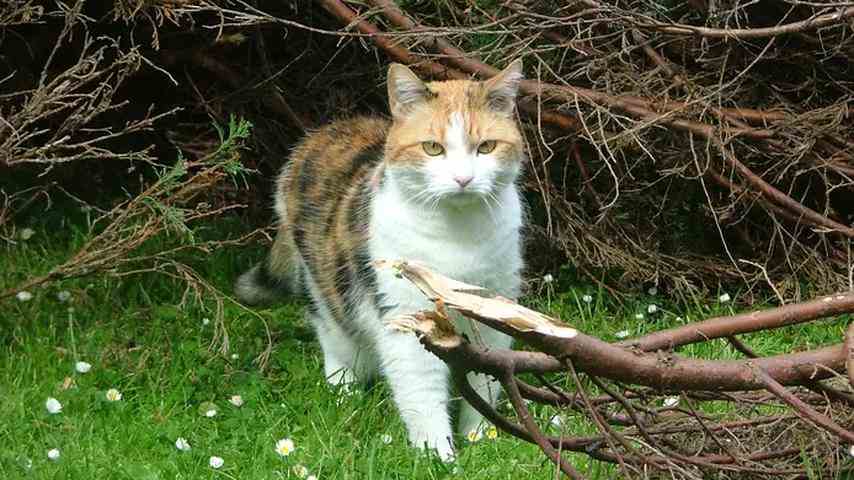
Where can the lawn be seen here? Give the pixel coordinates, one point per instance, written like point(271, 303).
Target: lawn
point(162, 352)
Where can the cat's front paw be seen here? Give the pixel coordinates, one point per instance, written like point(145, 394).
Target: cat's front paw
point(443, 446)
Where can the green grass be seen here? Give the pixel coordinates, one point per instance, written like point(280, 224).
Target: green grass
point(141, 339)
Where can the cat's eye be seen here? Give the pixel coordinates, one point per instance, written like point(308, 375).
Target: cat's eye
point(433, 148)
point(486, 147)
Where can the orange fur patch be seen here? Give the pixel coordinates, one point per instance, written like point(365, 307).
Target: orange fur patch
point(429, 121)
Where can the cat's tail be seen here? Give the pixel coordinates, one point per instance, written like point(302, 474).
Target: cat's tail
point(273, 279)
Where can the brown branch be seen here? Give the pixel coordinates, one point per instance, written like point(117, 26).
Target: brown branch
point(508, 381)
point(589, 354)
point(585, 175)
point(849, 351)
point(812, 23)
point(741, 347)
point(719, 327)
point(802, 408)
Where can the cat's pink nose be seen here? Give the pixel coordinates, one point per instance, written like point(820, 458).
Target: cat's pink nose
point(463, 181)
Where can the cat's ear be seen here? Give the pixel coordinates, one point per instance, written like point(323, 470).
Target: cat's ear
point(501, 90)
point(405, 90)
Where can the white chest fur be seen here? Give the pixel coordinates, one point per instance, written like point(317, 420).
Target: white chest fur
point(471, 243)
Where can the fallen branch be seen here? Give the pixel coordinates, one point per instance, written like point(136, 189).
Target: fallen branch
point(648, 440)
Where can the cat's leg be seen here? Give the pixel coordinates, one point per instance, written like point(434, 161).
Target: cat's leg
point(488, 388)
point(419, 385)
point(345, 362)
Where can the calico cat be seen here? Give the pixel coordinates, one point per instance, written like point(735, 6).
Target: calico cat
point(436, 184)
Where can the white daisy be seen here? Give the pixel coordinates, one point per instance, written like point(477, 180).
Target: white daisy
point(182, 444)
point(638, 316)
point(386, 438)
point(63, 296)
point(53, 454)
point(216, 462)
point(622, 334)
point(587, 298)
point(82, 367)
point(556, 421)
point(210, 413)
point(206, 321)
point(548, 278)
point(285, 447)
point(113, 395)
point(234, 356)
point(311, 477)
point(24, 296)
point(670, 402)
point(236, 400)
point(652, 291)
point(652, 308)
point(724, 298)
point(300, 471)
point(53, 406)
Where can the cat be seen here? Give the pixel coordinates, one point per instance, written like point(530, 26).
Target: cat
point(435, 184)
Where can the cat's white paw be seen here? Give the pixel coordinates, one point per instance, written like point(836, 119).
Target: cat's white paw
point(342, 379)
point(443, 446)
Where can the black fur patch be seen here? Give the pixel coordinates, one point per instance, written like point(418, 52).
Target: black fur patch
point(268, 279)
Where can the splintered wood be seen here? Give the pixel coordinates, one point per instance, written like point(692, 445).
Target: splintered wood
point(470, 300)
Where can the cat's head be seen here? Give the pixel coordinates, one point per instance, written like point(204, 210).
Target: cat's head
point(453, 142)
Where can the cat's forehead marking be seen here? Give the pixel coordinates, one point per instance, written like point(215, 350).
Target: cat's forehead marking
point(455, 133)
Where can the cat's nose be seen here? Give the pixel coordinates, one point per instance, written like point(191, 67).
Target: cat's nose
point(463, 181)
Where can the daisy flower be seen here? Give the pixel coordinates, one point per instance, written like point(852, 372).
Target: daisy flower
point(26, 233)
point(652, 291)
point(622, 334)
point(474, 435)
point(548, 278)
point(236, 400)
point(53, 454)
point(24, 296)
point(724, 298)
point(652, 308)
point(182, 444)
point(53, 406)
point(63, 296)
point(216, 462)
point(311, 477)
point(492, 433)
point(670, 402)
point(285, 447)
point(300, 471)
point(113, 395)
point(587, 298)
point(207, 409)
point(386, 438)
point(82, 367)
point(638, 316)
point(206, 321)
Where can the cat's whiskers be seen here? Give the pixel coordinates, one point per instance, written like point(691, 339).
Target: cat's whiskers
point(491, 196)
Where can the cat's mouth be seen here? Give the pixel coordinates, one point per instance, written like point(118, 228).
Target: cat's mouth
point(463, 197)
